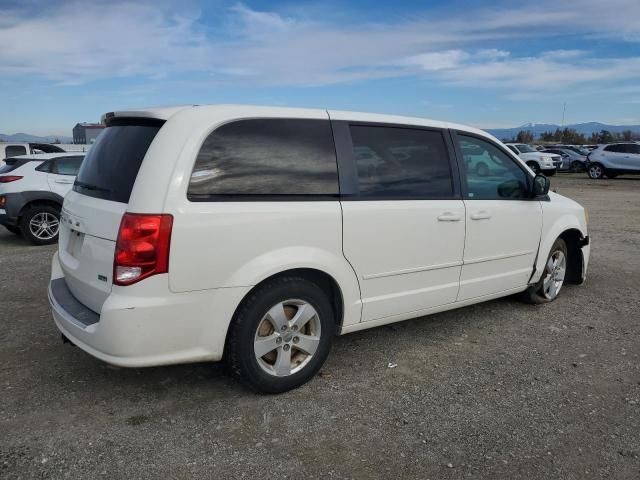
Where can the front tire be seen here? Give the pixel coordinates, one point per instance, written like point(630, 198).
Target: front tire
point(576, 166)
point(281, 335)
point(40, 224)
point(596, 171)
point(548, 287)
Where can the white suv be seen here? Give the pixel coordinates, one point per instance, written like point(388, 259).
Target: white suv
point(539, 162)
point(613, 160)
point(32, 188)
point(255, 234)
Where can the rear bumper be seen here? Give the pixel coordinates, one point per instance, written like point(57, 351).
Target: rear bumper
point(135, 329)
point(7, 219)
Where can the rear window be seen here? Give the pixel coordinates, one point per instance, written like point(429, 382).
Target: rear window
point(14, 150)
point(111, 166)
point(12, 163)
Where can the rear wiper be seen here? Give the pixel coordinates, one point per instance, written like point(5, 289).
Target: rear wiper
point(88, 186)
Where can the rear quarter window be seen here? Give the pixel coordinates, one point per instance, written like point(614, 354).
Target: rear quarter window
point(266, 157)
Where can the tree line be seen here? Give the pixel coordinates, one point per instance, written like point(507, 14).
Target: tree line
point(571, 137)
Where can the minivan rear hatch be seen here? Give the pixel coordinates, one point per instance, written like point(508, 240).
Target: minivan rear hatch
point(92, 212)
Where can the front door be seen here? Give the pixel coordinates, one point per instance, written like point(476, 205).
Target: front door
point(503, 223)
point(403, 226)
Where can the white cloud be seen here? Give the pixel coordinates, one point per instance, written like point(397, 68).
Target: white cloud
point(84, 41)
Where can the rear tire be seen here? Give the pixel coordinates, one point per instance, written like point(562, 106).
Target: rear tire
point(555, 269)
point(13, 229)
point(281, 318)
point(40, 224)
point(576, 166)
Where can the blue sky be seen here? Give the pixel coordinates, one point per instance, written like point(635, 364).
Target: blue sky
point(488, 64)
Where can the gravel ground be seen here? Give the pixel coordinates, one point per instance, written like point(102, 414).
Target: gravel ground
point(497, 390)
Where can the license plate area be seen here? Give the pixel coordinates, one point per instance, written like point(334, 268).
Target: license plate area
point(74, 243)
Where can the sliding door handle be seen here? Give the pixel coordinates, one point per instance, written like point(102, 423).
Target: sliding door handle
point(481, 215)
point(449, 217)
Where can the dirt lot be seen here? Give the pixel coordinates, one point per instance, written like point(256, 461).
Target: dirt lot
point(498, 390)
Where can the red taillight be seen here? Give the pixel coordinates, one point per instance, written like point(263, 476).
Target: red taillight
point(9, 178)
point(142, 248)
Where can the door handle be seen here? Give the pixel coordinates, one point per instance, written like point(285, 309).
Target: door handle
point(481, 215)
point(64, 181)
point(449, 217)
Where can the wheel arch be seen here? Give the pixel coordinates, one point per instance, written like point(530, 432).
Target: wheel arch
point(324, 280)
point(573, 238)
point(30, 199)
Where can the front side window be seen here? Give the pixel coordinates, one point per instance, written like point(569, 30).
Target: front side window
point(14, 150)
point(396, 162)
point(66, 165)
point(266, 157)
point(490, 173)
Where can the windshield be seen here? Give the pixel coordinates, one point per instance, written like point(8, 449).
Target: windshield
point(525, 148)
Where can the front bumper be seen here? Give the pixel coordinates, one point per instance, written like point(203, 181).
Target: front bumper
point(138, 328)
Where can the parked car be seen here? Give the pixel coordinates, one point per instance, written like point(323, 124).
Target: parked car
point(32, 188)
point(539, 162)
point(15, 149)
point(571, 160)
point(253, 234)
point(579, 149)
point(614, 159)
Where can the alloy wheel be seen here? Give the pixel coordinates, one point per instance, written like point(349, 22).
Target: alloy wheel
point(595, 171)
point(554, 275)
point(44, 226)
point(287, 337)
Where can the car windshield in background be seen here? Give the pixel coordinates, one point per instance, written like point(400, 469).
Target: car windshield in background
point(110, 168)
point(526, 148)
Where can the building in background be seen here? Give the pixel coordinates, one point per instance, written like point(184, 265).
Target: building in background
point(86, 133)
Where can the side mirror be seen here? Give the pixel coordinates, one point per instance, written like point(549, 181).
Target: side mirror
point(541, 185)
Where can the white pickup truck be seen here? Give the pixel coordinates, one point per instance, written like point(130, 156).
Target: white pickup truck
point(539, 162)
point(15, 149)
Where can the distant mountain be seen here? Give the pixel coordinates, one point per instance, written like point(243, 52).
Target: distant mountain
point(26, 137)
point(537, 128)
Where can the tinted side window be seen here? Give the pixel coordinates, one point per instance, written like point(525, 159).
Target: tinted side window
point(614, 148)
point(490, 173)
point(66, 165)
point(513, 149)
point(266, 157)
point(14, 150)
point(13, 163)
point(396, 162)
point(634, 149)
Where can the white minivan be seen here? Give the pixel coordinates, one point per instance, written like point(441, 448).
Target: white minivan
point(255, 234)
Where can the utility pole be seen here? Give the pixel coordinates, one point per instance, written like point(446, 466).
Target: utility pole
point(564, 109)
